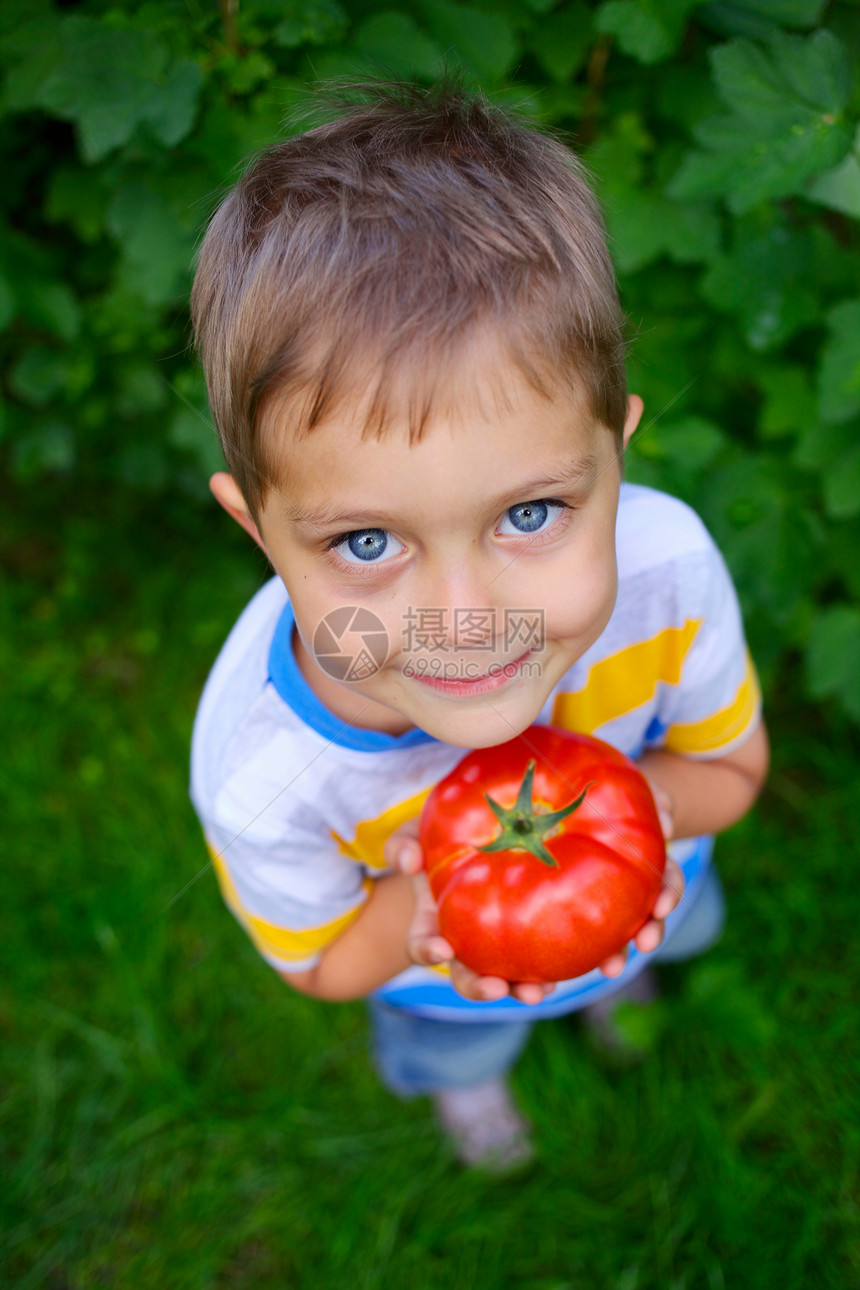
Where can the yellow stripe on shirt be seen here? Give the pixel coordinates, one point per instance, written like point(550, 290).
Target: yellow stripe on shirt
point(626, 680)
point(269, 938)
point(371, 835)
point(723, 727)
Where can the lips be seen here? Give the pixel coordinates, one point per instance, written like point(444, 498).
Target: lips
point(501, 675)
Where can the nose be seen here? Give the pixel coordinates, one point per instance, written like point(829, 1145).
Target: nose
point(455, 599)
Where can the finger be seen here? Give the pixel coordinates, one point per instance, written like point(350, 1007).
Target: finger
point(664, 815)
point(402, 850)
point(424, 944)
point(665, 808)
point(614, 965)
point(649, 936)
point(482, 989)
point(671, 892)
point(429, 951)
point(531, 992)
point(403, 853)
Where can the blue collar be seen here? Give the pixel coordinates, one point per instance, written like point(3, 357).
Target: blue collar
point(297, 694)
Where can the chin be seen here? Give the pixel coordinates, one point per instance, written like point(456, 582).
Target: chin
point(481, 728)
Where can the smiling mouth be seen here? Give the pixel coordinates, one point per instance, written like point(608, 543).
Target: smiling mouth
point(499, 675)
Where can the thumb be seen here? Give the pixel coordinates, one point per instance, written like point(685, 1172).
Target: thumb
point(402, 850)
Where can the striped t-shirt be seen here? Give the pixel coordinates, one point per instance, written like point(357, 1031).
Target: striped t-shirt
point(296, 804)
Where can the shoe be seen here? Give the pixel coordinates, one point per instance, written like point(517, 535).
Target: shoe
point(606, 1027)
point(485, 1127)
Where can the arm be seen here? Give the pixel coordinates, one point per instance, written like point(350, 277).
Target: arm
point(695, 797)
point(396, 929)
point(701, 797)
point(371, 950)
point(709, 796)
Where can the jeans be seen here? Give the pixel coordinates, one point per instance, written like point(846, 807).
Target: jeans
point(416, 1055)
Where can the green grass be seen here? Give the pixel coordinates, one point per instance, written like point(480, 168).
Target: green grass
point(173, 1115)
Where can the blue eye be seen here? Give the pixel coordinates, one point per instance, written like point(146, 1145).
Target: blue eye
point(532, 517)
point(366, 546)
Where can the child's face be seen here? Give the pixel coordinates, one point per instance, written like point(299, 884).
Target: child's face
point(486, 551)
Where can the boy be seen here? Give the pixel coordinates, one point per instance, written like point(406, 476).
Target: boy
point(413, 346)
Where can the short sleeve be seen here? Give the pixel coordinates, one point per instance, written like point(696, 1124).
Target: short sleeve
point(282, 876)
point(716, 704)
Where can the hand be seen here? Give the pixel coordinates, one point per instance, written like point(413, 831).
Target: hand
point(424, 943)
point(650, 936)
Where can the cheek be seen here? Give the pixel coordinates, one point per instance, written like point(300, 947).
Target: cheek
point(308, 605)
point(581, 597)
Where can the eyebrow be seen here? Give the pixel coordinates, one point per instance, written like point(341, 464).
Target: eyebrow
point(581, 474)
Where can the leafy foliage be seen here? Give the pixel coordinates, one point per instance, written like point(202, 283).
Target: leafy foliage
point(725, 145)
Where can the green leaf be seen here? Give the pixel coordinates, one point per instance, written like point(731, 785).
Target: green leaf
point(839, 370)
point(843, 542)
point(156, 250)
point(47, 449)
point(840, 188)
point(7, 302)
point(41, 300)
point(759, 17)
point(108, 81)
point(684, 96)
point(765, 280)
point(642, 223)
point(817, 68)
point(821, 447)
point(831, 656)
point(140, 389)
point(103, 82)
point(77, 197)
point(313, 22)
point(764, 529)
point(38, 376)
point(193, 432)
point(764, 82)
point(483, 42)
point(693, 442)
point(143, 466)
point(35, 49)
point(52, 305)
point(648, 30)
point(842, 483)
point(789, 405)
point(171, 110)
point(244, 72)
point(561, 42)
point(787, 97)
point(398, 45)
point(680, 452)
point(691, 231)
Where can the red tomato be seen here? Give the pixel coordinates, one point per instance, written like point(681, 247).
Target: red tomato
point(545, 855)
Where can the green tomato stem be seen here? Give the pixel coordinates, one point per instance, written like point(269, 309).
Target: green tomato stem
point(523, 827)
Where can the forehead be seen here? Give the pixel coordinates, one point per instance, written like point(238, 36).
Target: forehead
point(490, 436)
point(486, 372)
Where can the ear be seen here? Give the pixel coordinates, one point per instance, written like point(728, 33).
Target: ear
point(635, 408)
point(226, 492)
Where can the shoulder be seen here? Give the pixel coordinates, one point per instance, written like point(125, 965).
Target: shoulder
point(671, 574)
point(654, 528)
point(235, 686)
point(243, 661)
